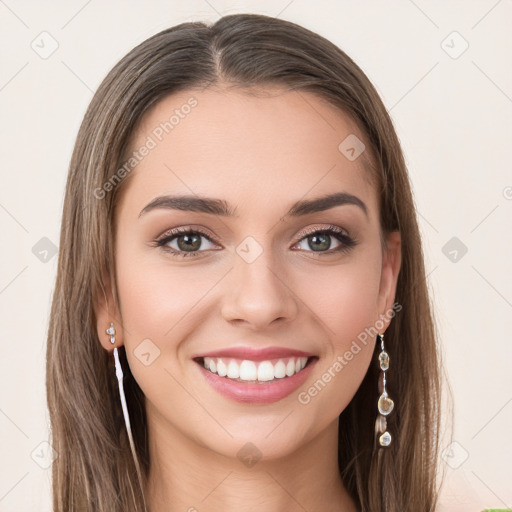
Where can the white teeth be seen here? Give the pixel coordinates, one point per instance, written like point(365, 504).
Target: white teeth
point(279, 370)
point(221, 368)
point(233, 370)
point(265, 371)
point(247, 370)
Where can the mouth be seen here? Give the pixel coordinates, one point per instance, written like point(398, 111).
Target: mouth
point(255, 372)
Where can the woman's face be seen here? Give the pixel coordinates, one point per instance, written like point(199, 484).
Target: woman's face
point(258, 268)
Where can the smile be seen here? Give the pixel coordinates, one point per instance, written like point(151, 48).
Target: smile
point(255, 371)
point(257, 382)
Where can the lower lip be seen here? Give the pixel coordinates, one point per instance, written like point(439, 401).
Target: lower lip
point(264, 393)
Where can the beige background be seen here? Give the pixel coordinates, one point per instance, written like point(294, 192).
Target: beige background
point(452, 109)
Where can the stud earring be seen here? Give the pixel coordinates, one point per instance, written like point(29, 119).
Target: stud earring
point(385, 404)
point(112, 333)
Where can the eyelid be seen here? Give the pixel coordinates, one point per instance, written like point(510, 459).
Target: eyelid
point(347, 242)
point(185, 230)
point(316, 229)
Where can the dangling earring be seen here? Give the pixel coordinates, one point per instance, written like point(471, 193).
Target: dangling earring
point(119, 373)
point(385, 404)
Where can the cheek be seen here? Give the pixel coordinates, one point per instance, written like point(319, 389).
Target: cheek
point(344, 301)
point(160, 304)
point(344, 298)
point(159, 298)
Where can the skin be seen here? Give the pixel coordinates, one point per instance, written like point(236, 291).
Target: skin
point(260, 154)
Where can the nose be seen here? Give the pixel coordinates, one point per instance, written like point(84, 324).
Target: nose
point(258, 295)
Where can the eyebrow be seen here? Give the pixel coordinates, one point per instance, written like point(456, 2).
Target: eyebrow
point(222, 208)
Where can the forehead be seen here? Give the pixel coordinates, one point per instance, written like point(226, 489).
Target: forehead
point(230, 143)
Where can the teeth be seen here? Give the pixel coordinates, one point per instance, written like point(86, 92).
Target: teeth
point(233, 370)
point(263, 371)
point(248, 370)
point(279, 370)
point(221, 368)
point(290, 368)
point(266, 371)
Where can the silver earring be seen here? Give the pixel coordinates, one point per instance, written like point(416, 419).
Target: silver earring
point(112, 333)
point(385, 404)
point(120, 376)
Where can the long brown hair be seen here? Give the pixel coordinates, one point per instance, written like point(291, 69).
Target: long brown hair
point(94, 470)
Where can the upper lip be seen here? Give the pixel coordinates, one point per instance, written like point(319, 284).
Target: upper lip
point(255, 354)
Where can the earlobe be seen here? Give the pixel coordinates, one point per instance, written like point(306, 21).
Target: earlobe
point(391, 263)
point(108, 325)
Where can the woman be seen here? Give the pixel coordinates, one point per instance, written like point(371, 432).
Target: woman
point(239, 237)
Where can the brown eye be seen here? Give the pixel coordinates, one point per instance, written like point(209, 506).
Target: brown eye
point(328, 241)
point(186, 242)
point(189, 242)
point(320, 242)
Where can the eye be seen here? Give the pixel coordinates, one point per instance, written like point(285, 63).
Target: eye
point(326, 241)
point(187, 242)
point(183, 242)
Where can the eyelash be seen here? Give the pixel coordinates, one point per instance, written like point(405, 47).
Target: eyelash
point(347, 241)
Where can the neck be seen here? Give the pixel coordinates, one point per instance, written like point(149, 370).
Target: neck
point(186, 476)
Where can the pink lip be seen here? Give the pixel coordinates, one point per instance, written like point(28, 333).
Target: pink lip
point(264, 392)
point(255, 354)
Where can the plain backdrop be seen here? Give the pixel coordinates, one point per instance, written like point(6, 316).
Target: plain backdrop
point(443, 71)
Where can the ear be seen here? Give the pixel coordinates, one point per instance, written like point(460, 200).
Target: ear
point(391, 261)
point(106, 312)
